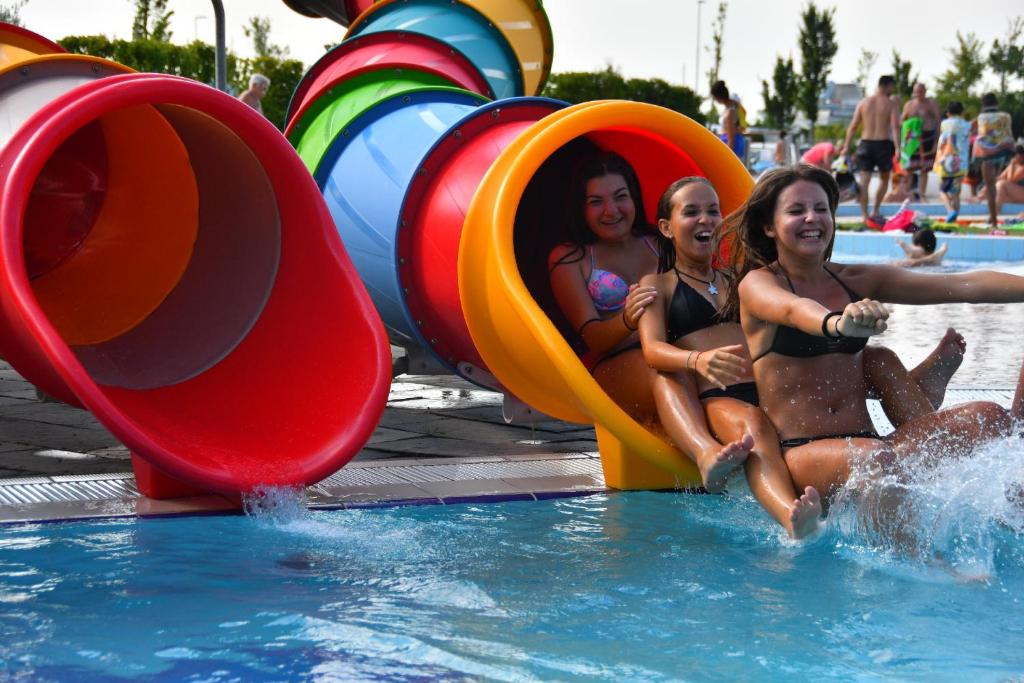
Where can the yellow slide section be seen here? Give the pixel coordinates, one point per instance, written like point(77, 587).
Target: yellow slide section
point(525, 25)
point(515, 337)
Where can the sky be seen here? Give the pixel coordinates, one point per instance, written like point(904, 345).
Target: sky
point(640, 38)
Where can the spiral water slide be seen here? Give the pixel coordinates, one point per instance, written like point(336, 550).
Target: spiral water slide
point(445, 176)
point(167, 263)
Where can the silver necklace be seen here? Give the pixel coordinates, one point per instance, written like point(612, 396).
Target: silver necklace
point(712, 290)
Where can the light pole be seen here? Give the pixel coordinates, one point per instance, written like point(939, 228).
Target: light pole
point(195, 26)
point(696, 71)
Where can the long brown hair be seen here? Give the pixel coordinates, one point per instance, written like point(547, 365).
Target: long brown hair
point(743, 230)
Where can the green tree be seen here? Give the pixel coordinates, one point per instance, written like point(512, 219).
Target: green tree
point(818, 48)
point(152, 21)
point(1007, 58)
point(960, 81)
point(258, 31)
point(196, 61)
point(608, 84)
point(11, 13)
point(717, 39)
point(864, 66)
point(901, 73)
point(780, 106)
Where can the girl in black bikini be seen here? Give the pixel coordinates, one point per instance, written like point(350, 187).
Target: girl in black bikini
point(807, 323)
point(683, 332)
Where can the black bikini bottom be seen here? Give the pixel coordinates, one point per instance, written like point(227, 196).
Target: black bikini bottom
point(745, 391)
point(593, 366)
point(793, 443)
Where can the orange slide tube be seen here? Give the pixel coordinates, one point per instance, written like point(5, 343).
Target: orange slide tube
point(515, 337)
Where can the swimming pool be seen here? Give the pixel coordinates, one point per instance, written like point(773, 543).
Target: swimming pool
point(632, 586)
point(992, 331)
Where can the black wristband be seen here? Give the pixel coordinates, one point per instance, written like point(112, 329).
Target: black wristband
point(824, 325)
point(625, 323)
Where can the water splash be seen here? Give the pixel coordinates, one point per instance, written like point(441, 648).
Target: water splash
point(277, 505)
point(963, 516)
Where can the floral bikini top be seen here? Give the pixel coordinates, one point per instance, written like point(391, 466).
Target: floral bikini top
point(607, 290)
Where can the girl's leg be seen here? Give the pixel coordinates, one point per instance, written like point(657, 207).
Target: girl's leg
point(826, 464)
point(988, 176)
point(627, 378)
point(949, 433)
point(900, 391)
point(682, 418)
point(767, 474)
point(1017, 407)
point(901, 396)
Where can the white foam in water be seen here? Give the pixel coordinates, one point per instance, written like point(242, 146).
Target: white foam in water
point(955, 517)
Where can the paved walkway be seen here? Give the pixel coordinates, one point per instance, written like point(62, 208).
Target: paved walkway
point(426, 417)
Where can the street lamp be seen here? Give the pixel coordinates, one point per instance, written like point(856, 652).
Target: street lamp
point(696, 71)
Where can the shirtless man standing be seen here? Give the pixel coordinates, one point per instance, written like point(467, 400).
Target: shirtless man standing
point(924, 108)
point(878, 114)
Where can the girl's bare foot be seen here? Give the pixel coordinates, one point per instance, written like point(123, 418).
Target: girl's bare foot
point(935, 371)
point(805, 517)
point(716, 467)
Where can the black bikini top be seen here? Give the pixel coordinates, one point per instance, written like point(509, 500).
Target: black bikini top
point(795, 343)
point(688, 311)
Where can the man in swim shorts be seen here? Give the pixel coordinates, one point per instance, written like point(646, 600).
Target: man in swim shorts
point(924, 108)
point(878, 118)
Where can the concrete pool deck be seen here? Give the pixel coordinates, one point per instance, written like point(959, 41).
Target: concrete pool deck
point(441, 440)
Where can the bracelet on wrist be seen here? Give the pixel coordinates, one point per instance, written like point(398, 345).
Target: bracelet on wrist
point(626, 323)
point(824, 325)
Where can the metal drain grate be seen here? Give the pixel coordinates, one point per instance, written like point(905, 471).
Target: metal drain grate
point(21, 492)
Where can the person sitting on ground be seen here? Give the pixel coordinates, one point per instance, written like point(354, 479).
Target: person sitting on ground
point(921, 251)
point(878, 117)
point(1010, 183)
point(953, 157)
point(258, 86)
point(993, 148)
point(901, 187)
point(733, 120)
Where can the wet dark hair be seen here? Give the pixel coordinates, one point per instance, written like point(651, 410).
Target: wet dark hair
point(666, 249)
point(925, 239)
point(1018, 150)
point(989, 99)
point(598, 166)
point(886, 80)
point(743, 230)
point(719, 90)
point(955, 108)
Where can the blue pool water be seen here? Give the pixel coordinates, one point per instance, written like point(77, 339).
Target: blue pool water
point(632, 586)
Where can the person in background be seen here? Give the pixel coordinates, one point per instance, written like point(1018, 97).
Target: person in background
point(921, 251)
point(878, 118)
point(953, 157)
point(922, 107)
point(993, 148)
point(733, 120)
point(1010, 183)
point(258, 86)
point(781, 156)
point(820, 155)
